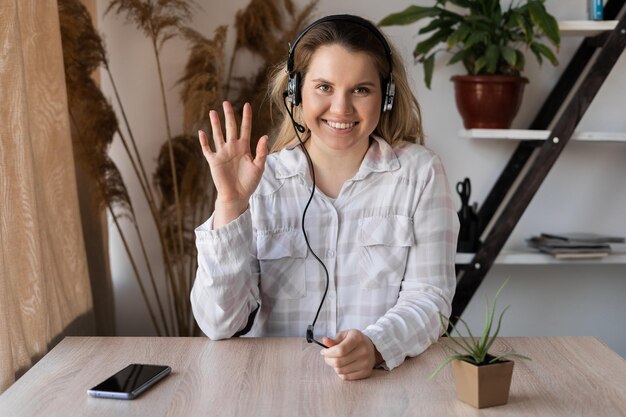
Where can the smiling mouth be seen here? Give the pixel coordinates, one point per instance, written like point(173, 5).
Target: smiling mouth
point(340, 126)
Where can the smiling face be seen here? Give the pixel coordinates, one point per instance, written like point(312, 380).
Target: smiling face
point(341, 99)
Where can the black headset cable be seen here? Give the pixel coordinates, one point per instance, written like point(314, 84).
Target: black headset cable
point(298, 128)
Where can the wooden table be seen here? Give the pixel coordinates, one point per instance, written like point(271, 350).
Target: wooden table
point(568, 376)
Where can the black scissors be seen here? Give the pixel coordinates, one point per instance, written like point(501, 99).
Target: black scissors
point(464, 188)
point(468, 232)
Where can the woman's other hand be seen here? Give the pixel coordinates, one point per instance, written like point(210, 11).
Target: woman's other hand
point(352, 354)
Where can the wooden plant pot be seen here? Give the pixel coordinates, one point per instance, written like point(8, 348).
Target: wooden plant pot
point(488, 101)
point(483, 386)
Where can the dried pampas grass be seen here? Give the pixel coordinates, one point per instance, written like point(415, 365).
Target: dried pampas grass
point(265, 28)
point(193, 182)
point(202, 81)
point(196, 199)
point(158, 19)
point(94, 125)
point(184, 193)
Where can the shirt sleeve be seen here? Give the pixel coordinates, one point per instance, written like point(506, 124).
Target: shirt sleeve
point(429, 282)
point(226, 288)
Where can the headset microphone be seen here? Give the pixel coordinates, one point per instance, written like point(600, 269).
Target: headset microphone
point(296, 125)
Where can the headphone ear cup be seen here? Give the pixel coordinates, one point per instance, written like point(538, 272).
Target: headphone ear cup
point(293, 89)
point(298, 89)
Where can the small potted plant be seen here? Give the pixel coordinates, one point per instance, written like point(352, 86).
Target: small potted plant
point(489, 42)
point(482, 379)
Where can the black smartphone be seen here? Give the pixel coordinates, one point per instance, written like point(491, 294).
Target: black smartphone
point(131, 381)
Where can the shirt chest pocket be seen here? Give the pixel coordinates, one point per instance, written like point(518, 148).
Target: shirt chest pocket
point(384, 244)
point(281, 257)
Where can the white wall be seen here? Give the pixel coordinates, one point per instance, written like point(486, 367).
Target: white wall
point(583, 192)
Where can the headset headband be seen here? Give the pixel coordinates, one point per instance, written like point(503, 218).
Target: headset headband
point(348, 18)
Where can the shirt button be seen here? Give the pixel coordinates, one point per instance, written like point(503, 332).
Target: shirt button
point(330, 253)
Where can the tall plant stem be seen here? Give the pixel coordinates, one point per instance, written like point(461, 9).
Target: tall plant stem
point(175, 286)
point(138, 165)
point(152, 281)
point(140, 172)
point(230, 71)
point(171, 305)
point(134, 221)
point(166, 257)
point(179, 221)
point(145, 254)
point(172, 166)
point(135, 269)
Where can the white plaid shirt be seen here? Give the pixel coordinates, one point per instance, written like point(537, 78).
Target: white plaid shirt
point(388, 241)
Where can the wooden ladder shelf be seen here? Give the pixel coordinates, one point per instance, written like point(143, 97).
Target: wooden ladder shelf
point(573, 93)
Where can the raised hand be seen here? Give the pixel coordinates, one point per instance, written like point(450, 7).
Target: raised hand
point(235, 173)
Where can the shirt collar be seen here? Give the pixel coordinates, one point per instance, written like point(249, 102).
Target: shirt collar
point(379, 157)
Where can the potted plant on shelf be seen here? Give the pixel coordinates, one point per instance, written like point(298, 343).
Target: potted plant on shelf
point(482, 379)
point(489, 42)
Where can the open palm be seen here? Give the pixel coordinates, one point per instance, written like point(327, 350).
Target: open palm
point(235, 173)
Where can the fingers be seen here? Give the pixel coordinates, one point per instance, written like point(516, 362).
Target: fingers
point(262, 149)
point(216, 129)
point(204, 144)
point(361, 374)
point(246, 122)
point(351, 367)
point(231, 124)
point(341, 352)
point(328, 341)
point(340, 363)
point(344, 344)
point(231, 134)
point(229, 119)
point(351, 354)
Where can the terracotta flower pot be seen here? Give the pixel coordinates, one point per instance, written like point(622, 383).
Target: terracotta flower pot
point(488, 101)
point(483, 386)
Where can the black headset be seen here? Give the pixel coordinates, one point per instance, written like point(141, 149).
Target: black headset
point(387, 84)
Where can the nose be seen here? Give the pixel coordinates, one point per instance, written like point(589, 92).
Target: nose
point(341, 103)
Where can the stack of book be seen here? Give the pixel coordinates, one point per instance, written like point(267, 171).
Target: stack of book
point(574, 245)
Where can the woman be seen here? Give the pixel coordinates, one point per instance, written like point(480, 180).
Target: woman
point(379, 215)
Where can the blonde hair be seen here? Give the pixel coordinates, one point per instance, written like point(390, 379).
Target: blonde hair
point(403, 122)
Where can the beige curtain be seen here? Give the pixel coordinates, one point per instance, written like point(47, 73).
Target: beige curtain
point(44, 285)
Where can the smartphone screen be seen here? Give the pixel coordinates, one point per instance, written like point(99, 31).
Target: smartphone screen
point(130, 381)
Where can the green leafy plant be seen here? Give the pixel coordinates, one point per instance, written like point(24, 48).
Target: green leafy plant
point(486, 39)
point(474, 350)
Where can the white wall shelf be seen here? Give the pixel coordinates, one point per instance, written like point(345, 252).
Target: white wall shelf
point(531, 257)
point(586, 27)
point(525, 134)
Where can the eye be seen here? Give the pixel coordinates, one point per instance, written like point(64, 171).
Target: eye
point(362, 90)
point(324, 88)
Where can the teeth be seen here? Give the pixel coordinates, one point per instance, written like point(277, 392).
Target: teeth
point(340, 125)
